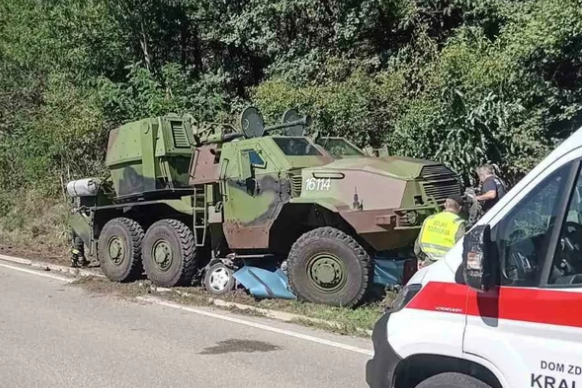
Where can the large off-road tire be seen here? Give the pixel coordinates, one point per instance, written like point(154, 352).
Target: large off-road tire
point(452, 380)
point(119, 249)
point(330, 267)
point(169, 253)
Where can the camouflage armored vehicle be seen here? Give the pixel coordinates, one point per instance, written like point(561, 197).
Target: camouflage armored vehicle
point(184, 201)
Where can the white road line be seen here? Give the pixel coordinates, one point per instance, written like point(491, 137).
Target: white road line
point(214, 315)
point(38, 273)
point(16, 260)
point(258, 326)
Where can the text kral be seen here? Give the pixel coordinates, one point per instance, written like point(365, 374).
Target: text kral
point(542, 381)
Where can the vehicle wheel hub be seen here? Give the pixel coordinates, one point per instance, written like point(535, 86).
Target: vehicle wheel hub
point(116, 251)
point(163, 256)
point(219, 279)
point(327, 272)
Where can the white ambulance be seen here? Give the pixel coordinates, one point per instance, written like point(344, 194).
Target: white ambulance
point(504, 307)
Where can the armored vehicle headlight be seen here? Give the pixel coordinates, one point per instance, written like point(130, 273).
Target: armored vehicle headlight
point(412, 217)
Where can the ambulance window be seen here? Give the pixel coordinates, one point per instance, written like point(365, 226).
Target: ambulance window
point(523, 235)
point(566, 268)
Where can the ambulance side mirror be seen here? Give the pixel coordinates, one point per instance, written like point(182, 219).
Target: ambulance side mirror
point(479, 259)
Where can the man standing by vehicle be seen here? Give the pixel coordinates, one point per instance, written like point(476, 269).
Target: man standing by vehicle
point(493, 189)
point(78, 258)
point(439, 233)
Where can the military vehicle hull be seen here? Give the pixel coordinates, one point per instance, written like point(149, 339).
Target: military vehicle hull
point(186, 205)
point(384, 200)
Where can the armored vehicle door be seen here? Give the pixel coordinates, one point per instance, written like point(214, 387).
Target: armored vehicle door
point(252, 199)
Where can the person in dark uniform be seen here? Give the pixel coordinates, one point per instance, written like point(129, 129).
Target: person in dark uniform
point(493, 188)
point(78, 258)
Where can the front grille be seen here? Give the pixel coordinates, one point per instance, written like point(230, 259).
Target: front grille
point(435, 172)
point(440, 190)
point(440, 182)
point(296, 185)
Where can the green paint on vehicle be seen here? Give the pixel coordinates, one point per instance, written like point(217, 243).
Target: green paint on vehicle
point(250, 190)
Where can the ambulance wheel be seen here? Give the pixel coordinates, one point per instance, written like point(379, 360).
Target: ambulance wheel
point(219, 279)
point(330, 267)
point(169, 254)
point(119, 250)
point(452, 380)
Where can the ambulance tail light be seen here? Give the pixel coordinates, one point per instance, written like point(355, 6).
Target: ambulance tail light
point(405, 296)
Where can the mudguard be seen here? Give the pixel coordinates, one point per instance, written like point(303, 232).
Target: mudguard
point(264, 283)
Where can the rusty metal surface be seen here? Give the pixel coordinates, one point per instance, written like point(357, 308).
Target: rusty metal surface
point(205, 168)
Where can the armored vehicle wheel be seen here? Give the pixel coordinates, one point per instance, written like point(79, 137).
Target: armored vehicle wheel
point(328, 266)
point(119, 249)
point(169, 253)
point(219, 279)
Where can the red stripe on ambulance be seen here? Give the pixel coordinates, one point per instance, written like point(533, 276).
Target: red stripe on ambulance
point(534, 305)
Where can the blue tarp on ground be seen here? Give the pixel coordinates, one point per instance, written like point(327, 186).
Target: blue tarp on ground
point(264, 283)
point(271, 282)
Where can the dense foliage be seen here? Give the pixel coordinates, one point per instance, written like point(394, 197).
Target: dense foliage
point(460, 81)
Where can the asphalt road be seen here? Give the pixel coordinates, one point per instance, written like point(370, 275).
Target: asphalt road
point(54, 335)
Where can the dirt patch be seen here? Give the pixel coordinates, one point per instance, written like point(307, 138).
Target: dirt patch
point(193, 299)
point(100, 286)
point(11, 249)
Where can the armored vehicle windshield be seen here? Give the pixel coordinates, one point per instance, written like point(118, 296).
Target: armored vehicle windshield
point(297, 146)
point(338, 147)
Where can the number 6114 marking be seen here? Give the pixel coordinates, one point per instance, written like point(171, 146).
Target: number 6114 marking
point(322, 184)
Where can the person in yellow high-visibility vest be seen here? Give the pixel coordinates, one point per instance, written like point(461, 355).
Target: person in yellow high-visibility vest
point(439, 233)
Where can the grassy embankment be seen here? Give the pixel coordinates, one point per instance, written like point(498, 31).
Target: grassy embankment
point(35, 228)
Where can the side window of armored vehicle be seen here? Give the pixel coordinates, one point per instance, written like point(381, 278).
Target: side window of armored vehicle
point(566, 267)
point(523, 235)
point(293, 146)
point(256, 160)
